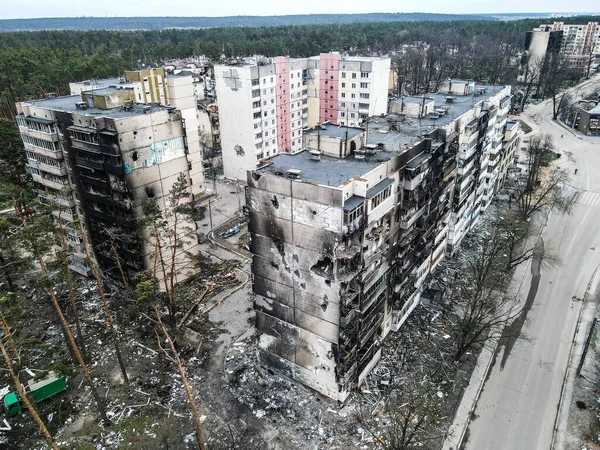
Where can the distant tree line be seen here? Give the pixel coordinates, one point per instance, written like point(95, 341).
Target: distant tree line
point(161, 23)
point(33, 64)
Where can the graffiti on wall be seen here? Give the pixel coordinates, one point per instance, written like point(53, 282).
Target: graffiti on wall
point(166, 150)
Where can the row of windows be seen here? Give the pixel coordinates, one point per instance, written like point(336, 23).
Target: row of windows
point(50, 176)
point(36, 126)
point(52, 146)
point(44, 160)
point(353, 85)
point(353, 105)
point(382, 196)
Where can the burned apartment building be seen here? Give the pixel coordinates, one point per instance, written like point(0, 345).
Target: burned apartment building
point(343, 241)
point(97, 157)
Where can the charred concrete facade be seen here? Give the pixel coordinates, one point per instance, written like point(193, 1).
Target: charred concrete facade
point(343, 243)
point(108, 156)
point(326, 257)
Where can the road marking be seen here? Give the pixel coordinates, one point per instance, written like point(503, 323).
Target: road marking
point(589, 198)
point(585, 217)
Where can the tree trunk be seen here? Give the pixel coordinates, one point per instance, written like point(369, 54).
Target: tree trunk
point(78, 356)
point(25, 400)
point(80, 340)
point(9, 281)
point(7, 333)
point(188, 390)
point(109, 320)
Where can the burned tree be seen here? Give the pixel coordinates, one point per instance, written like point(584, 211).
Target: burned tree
point(109, 320)
point(35, 236)
point(411, 415)
point(23, 395)
point(188, 389)
point(479, 303)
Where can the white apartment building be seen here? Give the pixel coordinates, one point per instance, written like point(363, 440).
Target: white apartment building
point(578, 43)
point(577, 39)
point(264, 105)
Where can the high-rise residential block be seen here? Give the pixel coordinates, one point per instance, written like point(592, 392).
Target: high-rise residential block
point(97, 157)
point(264, 105)
point(345, 233)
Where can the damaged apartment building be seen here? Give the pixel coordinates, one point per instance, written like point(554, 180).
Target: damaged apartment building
point(98, 156)
point(346, 231)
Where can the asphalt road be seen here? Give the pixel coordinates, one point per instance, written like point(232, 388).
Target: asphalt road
point(518, 405)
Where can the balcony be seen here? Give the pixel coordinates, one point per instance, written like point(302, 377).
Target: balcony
point(85, 145)
point(52, 137)
point(411, 184)
point(56, 199)
point(94, 180)
point(466, 153)
point(54, 154)
point(464, 183)
point(469, 136)
point(60, 170)
point(49, 183)
point(465, 170)
point(64, 215)
point(410, 217)
point(83, 162)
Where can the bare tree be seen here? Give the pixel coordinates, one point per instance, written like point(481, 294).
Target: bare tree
point(557, 74)
point(24, 398)
point(529, 80)
point(35, 235)
point(539, 186)
point(109, 320)
point(478, 297)
point(188, 389)
point(411, 414)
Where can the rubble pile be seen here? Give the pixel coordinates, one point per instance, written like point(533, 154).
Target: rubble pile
point(423, 343)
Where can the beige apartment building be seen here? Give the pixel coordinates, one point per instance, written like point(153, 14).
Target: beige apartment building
point(97, 157)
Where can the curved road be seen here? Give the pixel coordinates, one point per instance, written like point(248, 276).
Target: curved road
point(518, 405)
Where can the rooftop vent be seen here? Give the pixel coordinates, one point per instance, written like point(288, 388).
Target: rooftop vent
point(450, 99)
point(315, 155)
point(81, 105)
point(293, 173)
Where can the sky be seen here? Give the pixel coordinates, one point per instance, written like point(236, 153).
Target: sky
point(13, 9)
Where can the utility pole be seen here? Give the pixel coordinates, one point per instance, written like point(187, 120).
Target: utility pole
point(238, 198)
point(210, 215)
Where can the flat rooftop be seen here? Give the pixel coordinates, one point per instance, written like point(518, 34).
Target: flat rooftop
point(397, 131)
point(105, 90)
point(67, 104)
point(103, 82)
point(329, 171)
point(336, 131)
point(415, 100)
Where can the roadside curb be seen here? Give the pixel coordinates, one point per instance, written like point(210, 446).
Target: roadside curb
point(561, 404)
point(456, 445)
